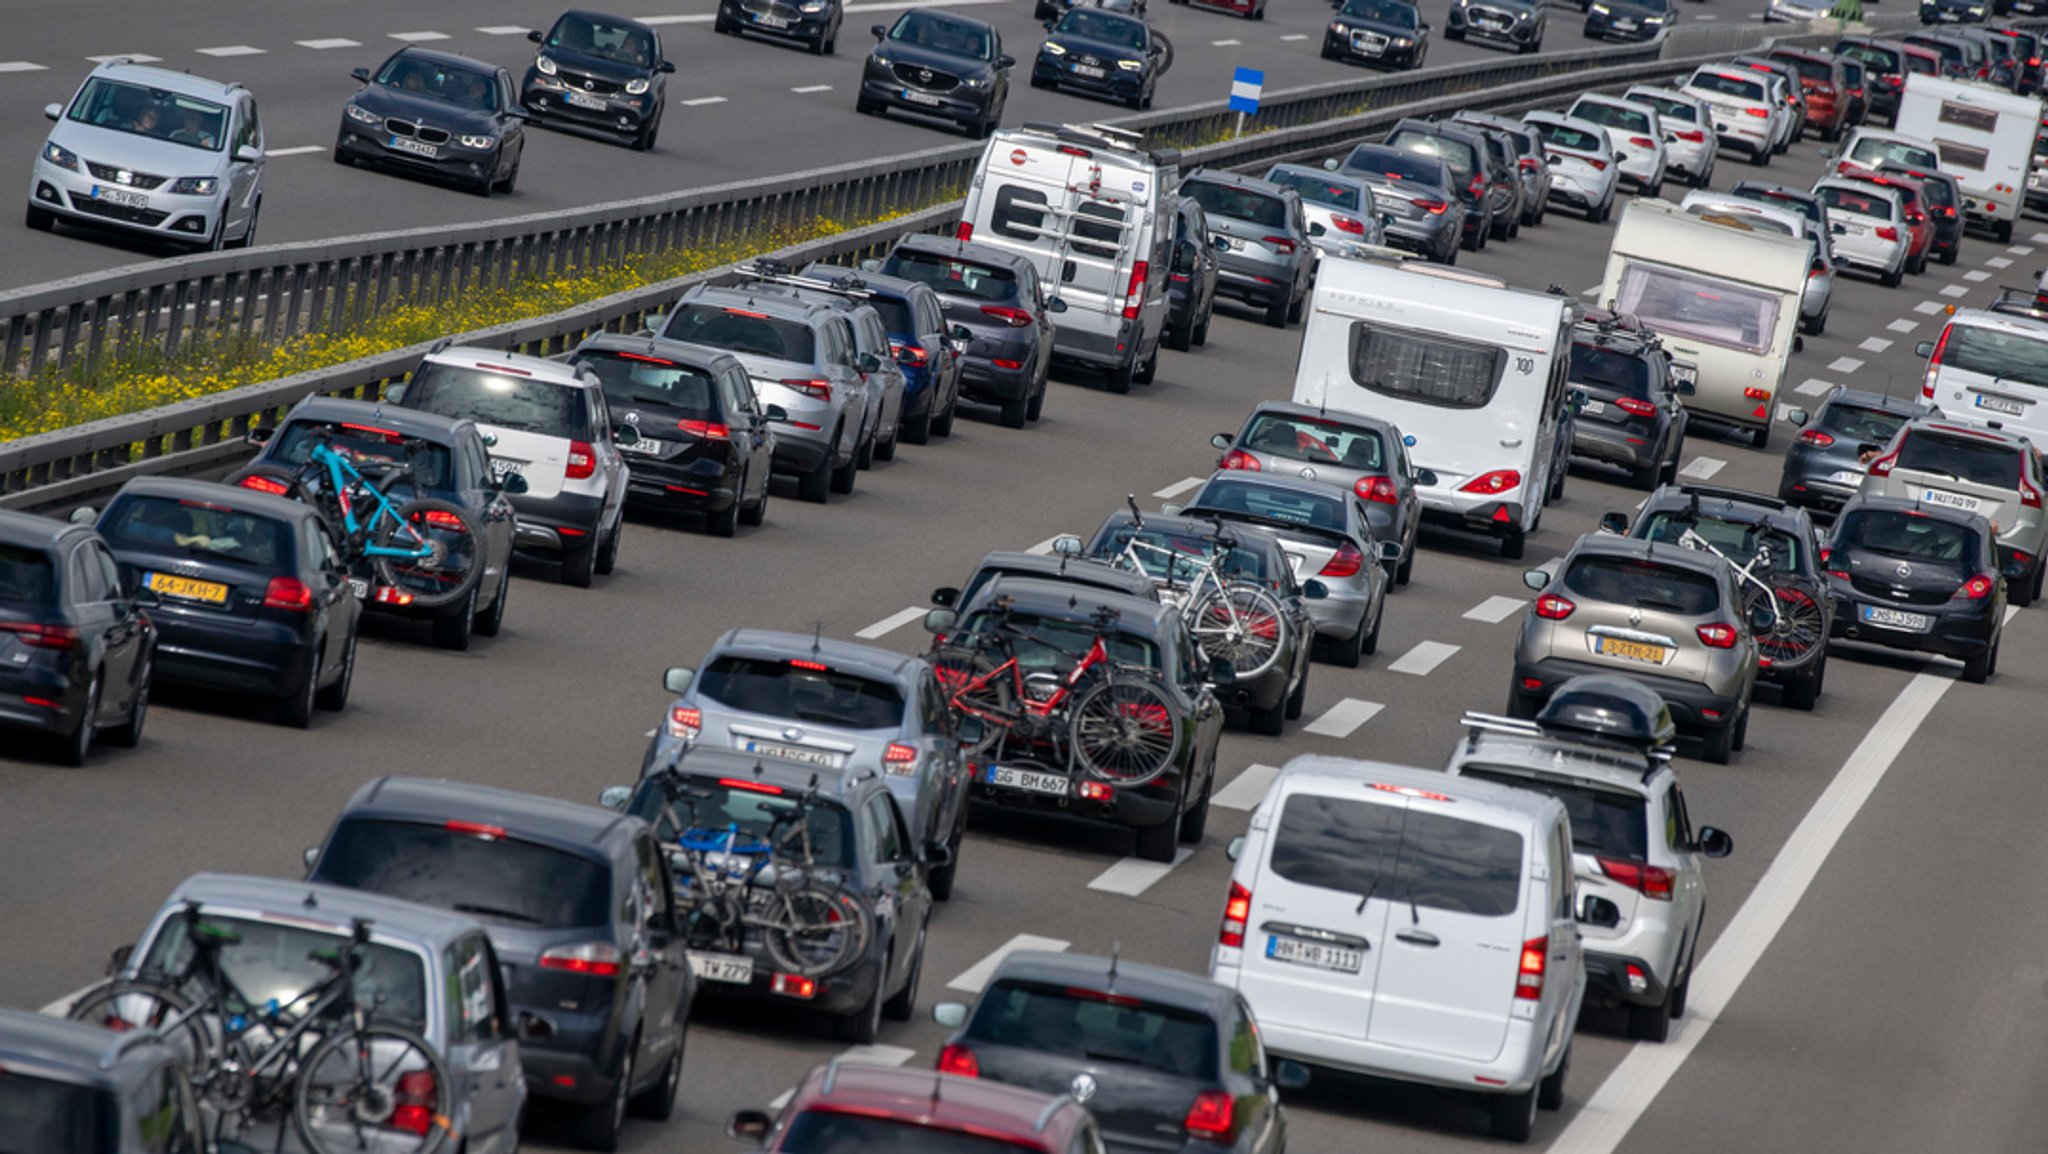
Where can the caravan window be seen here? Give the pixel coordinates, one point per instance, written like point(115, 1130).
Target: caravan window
point(1424, 367)
point(1729, 315)
point(1020, 212)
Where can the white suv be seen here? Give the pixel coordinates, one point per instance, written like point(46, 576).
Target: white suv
point(1992, 367)
point(546, 421)
point(1402, 924)
point(1602, 747)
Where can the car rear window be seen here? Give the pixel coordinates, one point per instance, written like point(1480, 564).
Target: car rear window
point(952, 276)
point(40, 1114)
point(2010, 357)
point(1860, 424)
point(1644, 585)
point(1248, 205)
point(1936, 192)
point(1089, 1024)
point(1610, 115)
point(1317, 440)
point(1915, 62)
point(712, 805)
point(1739, 541)
point(1805, 206)
point(1605, 822)
point(1270, 503)
point(274, 959)
point(1398, 854)
point(1425, 367)
point(1839, 199)
point(1394, 164)
point(895, 313)
point(27, 578)
point(1668, 107)
point(643, 379)
point(1565, 136)
point(1158, 551)
point(1915, 536)
point(828, 1129)
point(460, 866)
point(1057, 643)
point(1808, 68)
point(1722, 84)
point(802, 689)
point(1455, 153)
point(507, 400)
point(1871, 152)
point(1716, 311)
point(742, 331)
point(1315, 189)
point(200, 529)
point(1605, 368)
point(370, 449)
point(1962, 457)
point(1882, 61)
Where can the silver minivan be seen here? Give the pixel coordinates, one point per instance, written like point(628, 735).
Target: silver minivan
point(1404, 924)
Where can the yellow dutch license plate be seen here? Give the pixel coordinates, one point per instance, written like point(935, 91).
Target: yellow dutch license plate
point(1632, 650)
point(185, 588)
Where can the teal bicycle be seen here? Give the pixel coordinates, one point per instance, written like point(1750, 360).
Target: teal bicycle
point(425, 548)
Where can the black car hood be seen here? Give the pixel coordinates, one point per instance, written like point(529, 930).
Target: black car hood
point(921, 56)
point(426, 110)
point(1101, 49)
point(602, 67)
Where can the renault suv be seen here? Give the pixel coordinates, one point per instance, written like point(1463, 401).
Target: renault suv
point(1991, 472)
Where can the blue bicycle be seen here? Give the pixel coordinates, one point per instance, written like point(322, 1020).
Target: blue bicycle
point(426, 549)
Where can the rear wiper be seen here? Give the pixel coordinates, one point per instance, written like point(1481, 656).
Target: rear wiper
point(1106, 1056)
point(495, 912)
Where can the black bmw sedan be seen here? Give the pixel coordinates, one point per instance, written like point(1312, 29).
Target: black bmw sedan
point(938, 64)
point(599, 73)
point(439, 115)
point(1101, 53)
point(1386, 33)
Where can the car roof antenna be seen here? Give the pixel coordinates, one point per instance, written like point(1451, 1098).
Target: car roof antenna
point(1116, 949)
point(817, 634)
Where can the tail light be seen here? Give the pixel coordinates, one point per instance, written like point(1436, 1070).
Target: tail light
point(1882, 467)
point(1210, 1116)
point(912, 355)
point(1755, 393)
point(271, 485)
point(1916, 218)
point(709, 430)
point(1010, 315)
point(1693, 136)
point(1818, 440)
point(959, 1060)
point(1529, 975)
point(41, 636)
point(1239, 459)
point(1280, 244)
point(899, 754)
point(1134, 293)
point(2029, 496)
point(443, 520)
point(1816, 270)
point(965, 231)
point(1637, 408)
point(1717, 636)
point(1934, 365)
point(1551, 607)
point(816, 388)
point(596, 959)
point(1598, 164)
point(1431, 205)
point(413, 1102)
point(1498, 481)
point(1759, 113)
point(1647, 880)
point(1478, 186)
point(1887, 232)
point(1976, 588)
point(289, 594)
point(1379, 490)
point(1350, 224)
point(1642, 142)
point(1526, 164)
point(1236, 912)
point(1345, 563)
point(582, 461)
point(793, 986)
point(685, 723)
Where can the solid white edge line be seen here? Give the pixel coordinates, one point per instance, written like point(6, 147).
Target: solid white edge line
point(891, 623)
point(976, 976)
point(1133, 876)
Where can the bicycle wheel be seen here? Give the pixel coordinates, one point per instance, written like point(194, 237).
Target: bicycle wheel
point(811, 929)
point(125, 1006)
point(448, 541)
point(1242, 624)
point(966, 676)
point(1798, 628)
point(1126, 730)
point(381, 1088)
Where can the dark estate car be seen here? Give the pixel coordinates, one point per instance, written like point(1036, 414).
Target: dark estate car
point(1191, 285)
point(997, 297)
point(1391, 33)
point(1065, 564)
point(1630, 413)
point(1919, 577)
point(1629, 20)
point(1529, 159)
point(75, 651)
point(601, 73)
point(929, 350)
point(1262, 239)
point(811, 23)
point(1418, 195)
point(577, 901)
point(1519, 24)
point(437, 114)
point(250, 597)
point(1463, 149)
point(1824, 467)
point(938, 64)
point(1884, 70)
point(83, 1089)
point(844, 1107)
point(1101, 53)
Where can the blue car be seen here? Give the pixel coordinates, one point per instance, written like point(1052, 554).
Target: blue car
point(927, 348)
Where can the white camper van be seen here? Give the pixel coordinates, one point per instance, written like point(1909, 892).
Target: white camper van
point(1472, 372)
point(1094, 214)
point(1985, 138)
point(1724, 297)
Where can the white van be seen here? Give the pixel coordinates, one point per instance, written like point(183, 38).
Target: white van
point(1985, 137)
point(1724, 297)
point(1473, 372)
point(1401, 923)
point(1093, 212)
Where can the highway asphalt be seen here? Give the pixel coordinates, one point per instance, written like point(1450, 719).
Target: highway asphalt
point(1872, 979)
point(739, 109)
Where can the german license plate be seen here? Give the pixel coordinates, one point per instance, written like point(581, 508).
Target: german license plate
point(1028, 780)
point(646, 446)
point(584, 100)
point(771, 21)
point(722, 967)
point(1684, 375)
point(1625, 25)
point(120, 196)
point(501, 468)
point(1948, 500)
point(916, 97)
point(2005, 405)
point(1318, 954)
point(188, 589)
point(1627, 650)
point(1369, 47)
point(1089, 71)
point(1895, 618)
point(360, 587)
point(1593, 407)
point(408, 144)
point(823, 758)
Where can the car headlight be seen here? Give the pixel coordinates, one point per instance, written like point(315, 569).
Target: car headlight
point(1602, 10)
point(1524, 15)
point(976, 82)
point(1402, 41)
point(1053, 47)
point(1655, 19)
point(1131, 65)
point(482, 143)
point(195, 186)
point(543, 65)
point(638, 86)
point(60, 156)
point(361, 115)
point(812, 6)
point(881, 60)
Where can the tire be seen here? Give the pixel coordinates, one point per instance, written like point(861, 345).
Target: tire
point(1917, 265)
point(832, 930)
point(1194, 821)
point(1294, 309)
point(940, 881)
point(1036, 405)
point(492, 620)
point(1645, 478)
point(128, 734)
point(1013, 414)
point(334, 698)
point(1347, 653)
point(1760, 157)
point(864, 1025)
point(1512, 1117)
point(1180, 338)
point(1740, 737)
point(1121, 378)
point(757, 513)
point(1717, 744)
point(1595, 214)
point(1243, 623)
point(1406, 569)
point(866, 107)
point(74, 746)
point(843, 477)
point(124, 1006)
point(644, 141)
point(328, 1080)
point(1550, 1091)
point(1950, 256)
point(42, 220)
point(289, 478)
point(918, 430)
point(1651, 1023)
point(886, 450)
point(1271, 722)
point(608, 549)
point(1454, 34)
point(864, 456)
point(942, 423)
point(1804, 694)
point(452, 632)
point(1816, 326)
point(1276, 314)
point(657, 1103)
point(2023, 594)
point(1370, 644)
point(725, 522)
point(295, 709)
point(1158, 843)
point(1761, 437)
point(2003, 230)
point(579, 565)
point(1891, 278)
point(511, 180)
point(434, 580)
point(815, 486)
point(1298, 700)
point(1514, 544)
point(1125, 730)
point(1977, 670)
point(1201, 333)
point(1144, 372)
point(902, 1005)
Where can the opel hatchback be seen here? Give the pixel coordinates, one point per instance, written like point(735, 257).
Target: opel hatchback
point(1990, 472)
point(1918, 577)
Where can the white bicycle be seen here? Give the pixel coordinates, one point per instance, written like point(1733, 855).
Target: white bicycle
point(1233, 619)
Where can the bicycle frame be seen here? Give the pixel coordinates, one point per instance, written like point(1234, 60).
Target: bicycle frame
point(1096, 655)
point(343, 478)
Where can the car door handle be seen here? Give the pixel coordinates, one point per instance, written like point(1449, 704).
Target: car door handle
point(1417, 938)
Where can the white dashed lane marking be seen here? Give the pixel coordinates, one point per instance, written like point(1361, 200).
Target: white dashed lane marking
point(136, 57)
point(876, 1055)
point(701, 101)
point(1343, 718)
point(1928, 308)
point(1133, 876)
point(974, 977)
point(1874, 344)
point(1225, 43)
point(504, 29)
point(329, 42)
point(1423, 659)
point(1495, 610)
point(1247, 789)
point(417, 37)
point(19, 66)
point(1813, 386)
point(231, 50)
point(1295, 36)
point(1977, 276)
point(1844, 365)
point(296, 150)
point(1902, 325)
point(1185, 485)
point(1955, 290)
point(891, 623)
point(1998, 262)
point(2040, 238)
point(1703, 468)
point(2021, 249)
point(806, 88)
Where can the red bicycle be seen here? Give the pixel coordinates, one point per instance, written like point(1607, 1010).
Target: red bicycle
point(1115, 720)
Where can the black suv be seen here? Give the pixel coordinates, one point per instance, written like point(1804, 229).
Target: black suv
point(79, 1089)
point(1101, 53)
point(1463, 150)
point(1629, 412)
point(811, 23)
point(938, 64)
point(579, 906)
point(603, 74)
point(1824, 467)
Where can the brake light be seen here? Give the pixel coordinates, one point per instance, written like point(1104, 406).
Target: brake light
point(1010, 315)
point(746, 786)
point(642, 357)
point(1431, 205)
point(1818, 440)
point(1526, 164)
point(1637, 408)
point(1717, 636)
point(289, 594)
point(1346, 562)
point(1478, 186)
point(1377, 489)
point(1349, 224)
point(443, 520)
point(709, 430)
point(414, 1102)
point(1934, 364)
point(1551, 607)
point(1916, 218)
point(965, 231)
point(747, 313)
point(685, 723)
point(1976, 588)
point(959, 1060)
point(270, 485)
point(41, 636)
point(1887, 232)
point(1759, 113)
point(899, 754)
point(475, 829)
point(1210, 1116)
point(595, 959)
point(793, 986)
point(1498, 481)
point(816, 388)
point(1693, 136)
point(1882, 467)
point(1280, 244)
point(813, 666)
point(582, 461)
point(1236, 912)
point(2029, 496)
point(1598, 164)
point(1529, 978)
point(1757, 394)
point(913, 355)
point(1134, 293)
point(1239, 459)
point(1647, 880)
point(1642, 142)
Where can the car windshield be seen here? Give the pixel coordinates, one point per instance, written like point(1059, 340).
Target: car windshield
point(1737, 540)
point(1605, 822)
point(1610, 115)
point(1395, 164)
point(1121, 31)
point(39, 1115)
point(153, 112)
point(841, 1133)
point(1857, 424)
point(1805, 205)
point(1271, 503)
point(1390, 12)
point(1839, 199)
point(419, 76)
point(1901, 533)
point(273, 958)
point(1627, 373)
point(1963, 457)
point(604, 38)
point(470, 868)
point(954, 277)
point(742, 331)
point(1455, 153)
point(1644, 585)
point(1316, 188)
point(1317, 440)
point(802, 689)
point(942, 33)
point(170, 525)
point(1565, 136)
point(1057, 643)
point(1082, 1023)
point(1723, 84)
point(675, 388)
point(508, 400)
point(1424, 367)
point(1248, 205)
point(372, 450)
point(1872, 151)
point(1178, 557)
point(27, 579)
point(1716, 311)
point(1398, 854)
point(757, 811)
point(2010, 357)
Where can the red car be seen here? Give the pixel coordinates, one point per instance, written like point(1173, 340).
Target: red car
point(1825, 87)
point(1913, 198)
point(1249, 9)
point(847, 1108)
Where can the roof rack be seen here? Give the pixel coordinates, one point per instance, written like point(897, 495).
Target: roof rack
point(1727, 494)
point(1645, 761)
point(769, 271)
point(2021, 302)
point(1106, 136)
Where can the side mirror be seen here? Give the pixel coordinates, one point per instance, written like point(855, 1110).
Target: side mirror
point(1055, 305)
point(395, 393)
point(1049, 25)
point(1827, 154)
point(939, 620)
point(748, 1124)
point(775, 412)
point(1762, 619)
point(118, 960)
point(53, 111)
point(83, 515)
point(1796, 416)
point(1713, 842)
point(668, 66)
point(1067, 545)
point(676, 679)
point(867, 362)
point(1425, 476)
point(970, 730)
point(311, 857)
point(144, 598)
point(536, 36)
point(1839, 229)
point(951, 1015)
point(872, 264)
point(259, 435)
point(626, 435)
point(1006, 61)
point(1290, 1075)
point(1173, 508)
point(249, 154)
point(1687, 386)
point(1235, 848)
point(360, 75)
point(1535, 579)
point(1222, 440)
point(1598, 911)
point(1314, 590)
point(1390, 551)
point(1924, 349)
point(1422, 25)
point(1615, 523)
point(1330, 165)
point(945, 596)
point(1386, 220)
point(519, 114)
point(615, 797)
point(1317, 230)
point(514, 484)
point(1221, 671)
point(960, 333)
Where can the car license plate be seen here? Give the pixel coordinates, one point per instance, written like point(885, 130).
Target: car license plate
point(1594, 407)
point(120, 196)
point(824, 758)
point(1317, 954)
point(1948, 500)
point(188, 589)
point(1369, 47)
point(1846, 477)
point(501, 468)
point(360, 587)
point(771, 21)
point(408, 144)
point(1089, 71)
point(1684, 375)
point(916, 97)
point(1641, 651)
point(2005, 405)
point(722, 968)
point(646, 446)
point(581, 100)
point(1625, 25)
point(1895, 618)
point(1028, 780)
